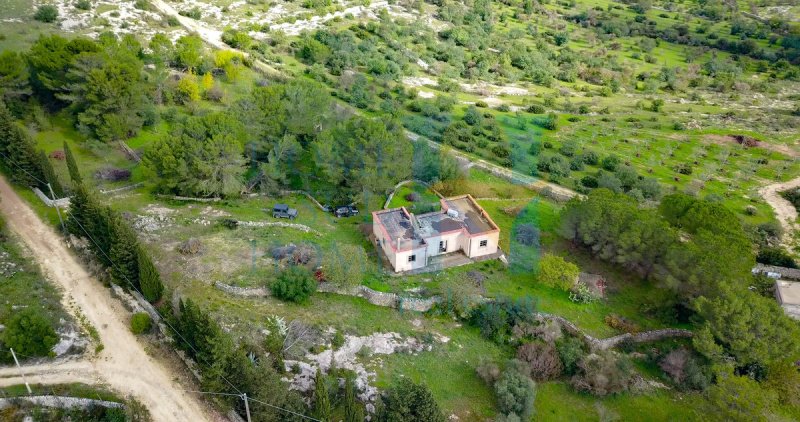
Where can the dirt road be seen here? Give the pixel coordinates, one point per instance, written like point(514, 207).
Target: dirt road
point(123, 364)
point(785, 212)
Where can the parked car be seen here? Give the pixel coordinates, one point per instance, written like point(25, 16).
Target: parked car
point(346, 211)
point(283, 211)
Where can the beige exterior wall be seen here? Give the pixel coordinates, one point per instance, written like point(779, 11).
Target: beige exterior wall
point(453, 243)
point(401, 262)
point(475, 250)
point(380, 237)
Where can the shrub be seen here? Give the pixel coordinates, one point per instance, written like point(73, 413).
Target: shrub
point(294, 284)
point(215, 93)
point(589, 181)
point(622, 324)
point(535, 148)
point(489, 372)
point(684, 370)
point(570, 351)
point(83, 5)
point(141, 323)
point(603, 374)
point(412, 197)
point(46, 13)
point(526, 234)
point(775, 256)
point(581, 293)
point(112, 174)
point(28, 332)
point(542, 360)
point(338, 340)
point(192, 246)
point(515, 392)
point(408, 401)
point(611, 163)
point(536, 109)
point(590, 157)
point(555, 272)
point(495, 319)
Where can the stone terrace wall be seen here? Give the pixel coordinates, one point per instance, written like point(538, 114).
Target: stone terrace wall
point(60, 402)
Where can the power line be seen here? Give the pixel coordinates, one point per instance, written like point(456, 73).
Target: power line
point(241, 394)
point(285, 410)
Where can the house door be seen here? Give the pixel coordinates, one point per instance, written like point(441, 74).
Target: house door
point(442, 246)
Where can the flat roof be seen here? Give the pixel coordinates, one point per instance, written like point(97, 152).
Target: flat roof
point(399, 229)
point(474, 218)
point(407, 231)
point(788, 293)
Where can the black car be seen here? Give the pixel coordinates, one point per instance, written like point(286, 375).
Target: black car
point(345, 211)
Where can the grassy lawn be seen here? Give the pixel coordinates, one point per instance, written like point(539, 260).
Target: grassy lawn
point(556, 401)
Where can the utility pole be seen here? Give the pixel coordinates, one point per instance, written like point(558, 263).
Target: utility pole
point(26, 381)
point(246, 406)
point(53, 195)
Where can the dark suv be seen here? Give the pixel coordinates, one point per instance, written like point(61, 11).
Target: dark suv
point(283, 211)
point(345, 211)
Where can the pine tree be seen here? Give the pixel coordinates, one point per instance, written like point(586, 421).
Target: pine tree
point(322, 403)
point(18, 152)
point(72, 166)
point(352, 410)
point(50, 176)
point(7, 129)
point(125, 265)
point(149, 278)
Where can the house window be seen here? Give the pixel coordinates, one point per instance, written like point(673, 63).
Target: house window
point(442, 246)
point(412, 258)
point(484, 243)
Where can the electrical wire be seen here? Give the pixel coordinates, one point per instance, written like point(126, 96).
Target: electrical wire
point(241, 394)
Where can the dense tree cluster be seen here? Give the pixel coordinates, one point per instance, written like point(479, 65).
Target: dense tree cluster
point(227, 367)
point(699, 250)
point(114, 243)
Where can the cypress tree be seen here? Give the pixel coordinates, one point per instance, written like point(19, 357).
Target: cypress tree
point(72, 166)
point(123, 256)
point(322, 403)
point(352, 411)
point(89, 219)
point(50, 176)
point(149, 278)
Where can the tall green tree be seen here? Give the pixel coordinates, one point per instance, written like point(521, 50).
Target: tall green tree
point(50, 175)
point(201, 157)
point(739, 398)
point(322, 401)
point(364, 155)
point(50, 58)
point(19, 152)
point(408, 401)
point(72, 165)
point(107, 92)
point(149, 278)
point(123, 252)
point(352, 409)
point(14, 78)
point(743, 325)
point(87, 218)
